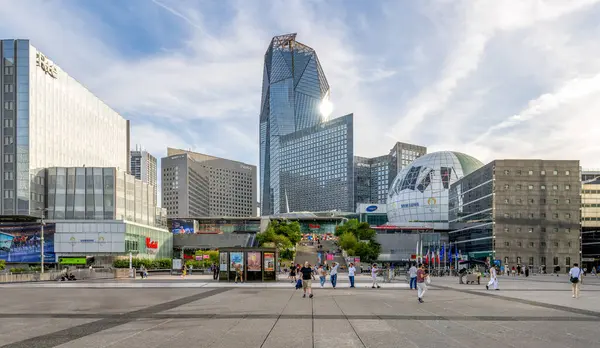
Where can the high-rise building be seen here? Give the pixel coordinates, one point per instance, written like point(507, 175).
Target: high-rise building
point(316, 171)
point(49, 120)
point(373, 176)
point(294, 92)
point(231, 185)
point(184, 186)
point(143, 167)
point(590, 218)
point(520, 212)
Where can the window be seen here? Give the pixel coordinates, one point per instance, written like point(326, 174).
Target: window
point(543, 229)
point(567, 187)
point(555, 187)
point(9, 158)
point(567, 172)
point(542, 187)
point(531, 201)
point(519, 201)
point(555, 261)
point(506, 200)
point(531, 215)
point(9, 105)
point(506, 229)
point(530, 187)
point(556, 244)
point(543, 201)
point(518, 172)
point(568, 261)
point(531, 261)
point(9, 194)
point(543, 215)
point(506, 260)
point(569, 244)
point(519, 186)
point(543, 172)
point(8, 88)
point(8, 175)
point(555, 215)
point(506, 215)
point(8, 70)
point(518, 259)
point(506, 186)
point(8, 123)
point(8, 140)
point(518, 215)
point(543, 260)
point(568, 215)
point(555, 229)
point(555, 201)
point(543, 244)
point(519, 230)
point(506, 172)
point(519, 244)
point(530, 172)
point(568, 200)
point(567, 230)
point(506, 244)
point(530, 229)
point(555, 172)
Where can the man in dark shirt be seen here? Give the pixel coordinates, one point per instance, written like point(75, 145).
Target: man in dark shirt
point(307, 279)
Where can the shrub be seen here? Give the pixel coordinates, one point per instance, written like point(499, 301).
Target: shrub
point(2, 265)
point(138, 262)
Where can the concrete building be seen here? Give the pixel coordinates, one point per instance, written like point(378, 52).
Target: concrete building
point(521, 212)
point(590, 218)
point(49, 120)
point(232, 186)
point(185, 186)
point(143, 167)
point(374, 214)
point(374, 176)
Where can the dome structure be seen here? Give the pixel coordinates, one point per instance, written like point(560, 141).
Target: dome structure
point(419, 194)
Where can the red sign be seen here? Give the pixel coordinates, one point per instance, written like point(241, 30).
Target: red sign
point(413, 257)
point(151, 244)
point(314, 226)
point(206, 257)
point(357, 259)
point(329, 257)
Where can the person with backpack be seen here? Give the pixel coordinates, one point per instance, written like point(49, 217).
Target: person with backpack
point(575, 277)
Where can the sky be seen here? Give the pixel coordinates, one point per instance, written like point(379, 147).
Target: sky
point(493, 79)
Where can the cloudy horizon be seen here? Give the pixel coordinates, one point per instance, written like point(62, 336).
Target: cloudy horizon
point(515, 79)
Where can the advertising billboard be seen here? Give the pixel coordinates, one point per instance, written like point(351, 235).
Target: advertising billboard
point(183, 226)
point(20, 242)
point(254, 261)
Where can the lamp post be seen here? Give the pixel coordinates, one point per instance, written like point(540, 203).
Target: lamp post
point(42, 212)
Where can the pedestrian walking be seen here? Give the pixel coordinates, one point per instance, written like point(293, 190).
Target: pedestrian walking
point(421, 286)
point(307, 273)
point(374, 271)
point(322, 275)
point(412, 273)
point(292, 273)
point(493, 279)
point(333, 274)
point(215, 269)
point(351, 271)
point(575, 274)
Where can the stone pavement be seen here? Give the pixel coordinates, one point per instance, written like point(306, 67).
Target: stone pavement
point(537, 312)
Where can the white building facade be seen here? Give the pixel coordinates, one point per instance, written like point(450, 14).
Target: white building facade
point(49, 120)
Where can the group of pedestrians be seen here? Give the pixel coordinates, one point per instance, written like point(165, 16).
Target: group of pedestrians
point(418, 280)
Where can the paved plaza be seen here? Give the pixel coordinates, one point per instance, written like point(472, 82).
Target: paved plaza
point(536, 312)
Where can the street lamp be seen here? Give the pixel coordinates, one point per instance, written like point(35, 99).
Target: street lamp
point(42, 212)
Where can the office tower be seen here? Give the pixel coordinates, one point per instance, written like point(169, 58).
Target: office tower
point(231, 184)
point(373, 176)
point(590, 218)
point(184, 186)
point(316, 170)
point(49, 120)
point(143, 167)
point(520, 212)
point(294, 92)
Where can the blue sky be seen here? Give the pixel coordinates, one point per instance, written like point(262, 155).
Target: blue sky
point(509, 79)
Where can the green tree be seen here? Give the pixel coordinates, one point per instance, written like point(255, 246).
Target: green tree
point(359, 238)
point(348, 241)
point(283, 234)
point(2, 265)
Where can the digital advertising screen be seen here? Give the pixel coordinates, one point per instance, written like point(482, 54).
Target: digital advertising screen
point(21, 243)
point(181, 226)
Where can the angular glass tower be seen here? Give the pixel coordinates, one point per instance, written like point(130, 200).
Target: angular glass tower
point(293, 89)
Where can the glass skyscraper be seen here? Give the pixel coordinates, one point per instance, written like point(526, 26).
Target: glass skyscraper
point(295, 137)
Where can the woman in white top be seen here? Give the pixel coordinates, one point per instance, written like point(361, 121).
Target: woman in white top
point(575, 274)
point(374, 271)
point(351, 271)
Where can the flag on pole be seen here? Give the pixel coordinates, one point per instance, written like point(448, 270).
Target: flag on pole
point(450, 254)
